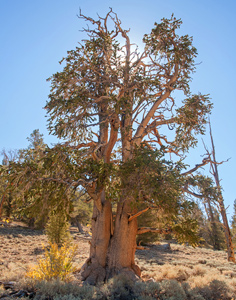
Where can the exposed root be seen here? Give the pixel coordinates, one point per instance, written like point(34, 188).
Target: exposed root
point(136, 270)
point(132, 273)
point(92, 273)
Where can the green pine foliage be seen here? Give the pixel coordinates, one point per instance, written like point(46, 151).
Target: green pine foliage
point(211, 228)
point(82, 211)
point(115, 113)
point(150, 218)
point(57, 228)
point(7, 194)
point(216, 232)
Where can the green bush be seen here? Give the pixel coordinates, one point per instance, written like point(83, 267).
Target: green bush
point(57, 229)
point(215, 290)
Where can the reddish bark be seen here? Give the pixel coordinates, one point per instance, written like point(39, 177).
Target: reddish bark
point(112, 250)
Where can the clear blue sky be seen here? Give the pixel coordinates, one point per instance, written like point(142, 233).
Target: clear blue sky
point(35, 35)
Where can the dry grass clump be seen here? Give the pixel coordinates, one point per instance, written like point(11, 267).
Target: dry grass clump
point(122, 288)
point(2, 290)
point(215, 290)
point(198, 268)
point(173, 290)
point(11, 271)
point(59, 290)
point(179, 273)
point(203, 277)
point(197, 277)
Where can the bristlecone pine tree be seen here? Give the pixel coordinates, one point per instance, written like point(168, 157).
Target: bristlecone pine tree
point(111, 103)
point(115, 108)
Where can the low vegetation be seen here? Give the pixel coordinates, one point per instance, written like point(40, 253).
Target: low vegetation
point(175, 272)
point(56, 264)
point(124, 139)
point(57, 229)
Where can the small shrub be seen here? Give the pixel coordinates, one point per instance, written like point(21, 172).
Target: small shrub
point(58, 290)
point(119, 287)
point(199, 270)
point(57, 229)
point(172, 290)
point(57, 263)
point(147, 290)
point(190, 294)
point(167, 271)
point(215, 290)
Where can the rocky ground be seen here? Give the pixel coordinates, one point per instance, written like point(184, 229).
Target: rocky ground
point(21, 247)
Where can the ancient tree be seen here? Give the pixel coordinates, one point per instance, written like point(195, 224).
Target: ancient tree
point(115, 106)
point(121, 121)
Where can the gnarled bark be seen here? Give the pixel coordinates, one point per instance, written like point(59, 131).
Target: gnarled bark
point(122, 246)
point(111, 254)
point(93, 270)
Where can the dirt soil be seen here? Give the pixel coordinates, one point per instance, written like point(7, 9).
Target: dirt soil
point(21, 247)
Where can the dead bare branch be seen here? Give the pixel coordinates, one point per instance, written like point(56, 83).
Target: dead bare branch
point(197, 166)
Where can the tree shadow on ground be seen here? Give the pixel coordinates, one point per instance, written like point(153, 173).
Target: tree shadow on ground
point(158, 254)
point(15, 231)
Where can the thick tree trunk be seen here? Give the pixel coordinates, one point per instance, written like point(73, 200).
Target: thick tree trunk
point(93, 270)
point(120, 258)
point(112, 250)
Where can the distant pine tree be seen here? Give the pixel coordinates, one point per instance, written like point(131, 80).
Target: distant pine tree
point(82, 211)
point(7, 198)
point(215, 227)
point(233, 224)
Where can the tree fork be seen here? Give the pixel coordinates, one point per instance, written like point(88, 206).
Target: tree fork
point(111, 254)
point(123, 244)
point(109, 92)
